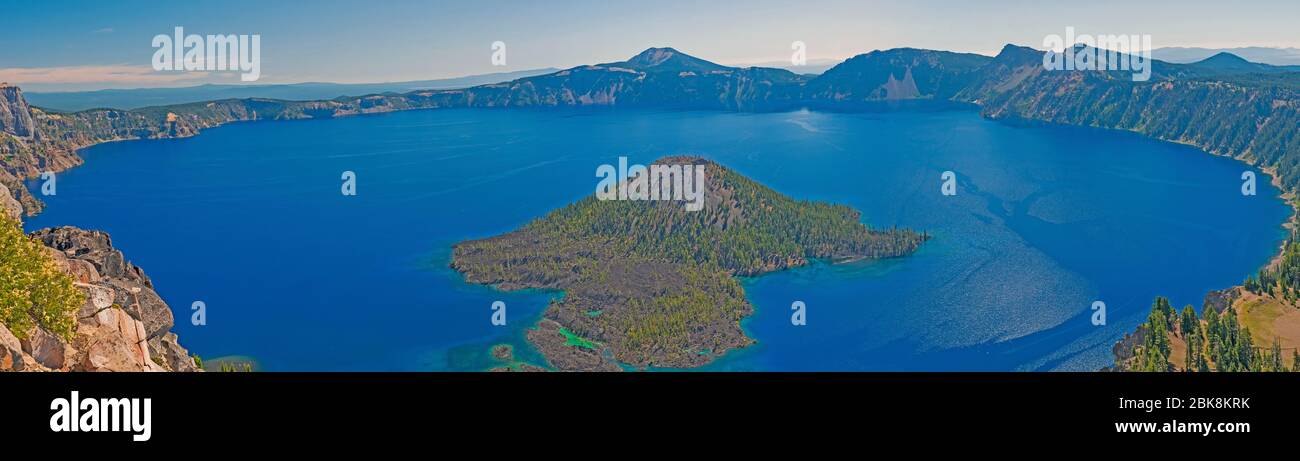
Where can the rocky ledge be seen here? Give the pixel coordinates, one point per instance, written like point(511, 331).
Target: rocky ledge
point(123, 325)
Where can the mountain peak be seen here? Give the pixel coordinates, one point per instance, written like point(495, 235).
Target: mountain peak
point(654, 55)
point(1224, 57)
point(669, 59)
point(1225, 61)
point(1014, 49)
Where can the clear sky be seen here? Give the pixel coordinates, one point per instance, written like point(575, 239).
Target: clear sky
point(97, 44)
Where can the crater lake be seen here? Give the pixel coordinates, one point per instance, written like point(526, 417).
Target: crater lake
point(249, 219)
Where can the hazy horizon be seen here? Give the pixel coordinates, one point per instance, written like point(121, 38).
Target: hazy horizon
point(75, 46)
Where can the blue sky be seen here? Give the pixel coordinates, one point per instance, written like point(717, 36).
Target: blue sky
point(376, 40)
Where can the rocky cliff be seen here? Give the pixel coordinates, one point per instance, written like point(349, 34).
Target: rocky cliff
point(893, 75)
point(1252, 116)
point(15, 115)
point(123, 325)
point(24, 151)
point(9, 206)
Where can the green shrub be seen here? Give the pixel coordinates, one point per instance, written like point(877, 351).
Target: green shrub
point(33, 290)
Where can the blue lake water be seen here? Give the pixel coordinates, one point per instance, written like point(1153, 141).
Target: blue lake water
point(249, 219)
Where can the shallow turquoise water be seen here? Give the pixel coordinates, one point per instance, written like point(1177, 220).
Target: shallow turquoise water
point(249, 219)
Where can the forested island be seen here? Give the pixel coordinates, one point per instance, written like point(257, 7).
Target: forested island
point(650, 284)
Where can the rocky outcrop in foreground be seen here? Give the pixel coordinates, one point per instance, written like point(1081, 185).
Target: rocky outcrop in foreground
point(9, 206)
point(123, 325)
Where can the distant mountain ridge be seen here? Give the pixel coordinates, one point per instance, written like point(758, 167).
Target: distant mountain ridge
point(1259, 54)
point(1228, 63)
point(1219, 106)
point(307, 91)
point(902, 73)
point(1224, 105)
point(811, 67)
